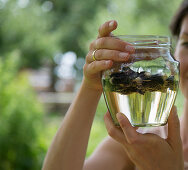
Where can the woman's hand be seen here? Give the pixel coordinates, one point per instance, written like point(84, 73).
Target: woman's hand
point(149, 151)
point(107, 49)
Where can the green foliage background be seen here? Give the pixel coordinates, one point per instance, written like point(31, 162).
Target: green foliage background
point(20, 119)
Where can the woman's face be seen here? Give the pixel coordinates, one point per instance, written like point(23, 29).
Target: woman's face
point(181, 54)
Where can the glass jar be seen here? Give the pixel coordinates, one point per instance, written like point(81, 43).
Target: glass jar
point(145, 88)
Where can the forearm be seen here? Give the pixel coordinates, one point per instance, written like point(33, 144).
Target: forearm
point(68, 149)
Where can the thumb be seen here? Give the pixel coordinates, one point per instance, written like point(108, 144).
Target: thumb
point(106, 28)
point(129, 131)
point(174, 138)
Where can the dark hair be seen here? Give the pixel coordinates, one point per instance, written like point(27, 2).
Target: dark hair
point(175, 26)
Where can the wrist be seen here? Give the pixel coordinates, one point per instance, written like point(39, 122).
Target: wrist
point(97, 88)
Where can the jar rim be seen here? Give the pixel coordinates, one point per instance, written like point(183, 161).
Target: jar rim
point(146, 39)
point(142, 36)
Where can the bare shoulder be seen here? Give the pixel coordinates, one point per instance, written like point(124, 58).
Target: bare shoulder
point(109, 155)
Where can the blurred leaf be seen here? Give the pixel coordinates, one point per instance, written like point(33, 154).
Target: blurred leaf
point(29, 31)
point(20, 119)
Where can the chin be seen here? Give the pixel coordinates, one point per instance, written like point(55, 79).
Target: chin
point(183, 86)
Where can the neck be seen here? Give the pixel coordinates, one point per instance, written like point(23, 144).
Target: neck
point(184, 123)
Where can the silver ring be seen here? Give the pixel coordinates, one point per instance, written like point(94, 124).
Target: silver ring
point(93, 55)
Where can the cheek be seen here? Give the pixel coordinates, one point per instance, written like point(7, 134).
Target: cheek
point(183, 59)
point(178, 52)
point(181, 54)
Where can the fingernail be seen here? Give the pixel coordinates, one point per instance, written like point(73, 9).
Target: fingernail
point(111, 24)
point(123, 55)
point(108, 62)
point(129, 48)
point(119, 116)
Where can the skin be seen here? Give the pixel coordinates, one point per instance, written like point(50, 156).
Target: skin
point(181, 55)
point(68, 149)
point(125, 148)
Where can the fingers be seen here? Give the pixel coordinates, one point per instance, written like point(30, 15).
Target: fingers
point(97, 66)
point(130, 132)
point(110, 49)
point(174, 128)
point(118, 50)
point(113, 131)
point(111, 43)
point(106, 28)
point(127, 134)
point(104, 54)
